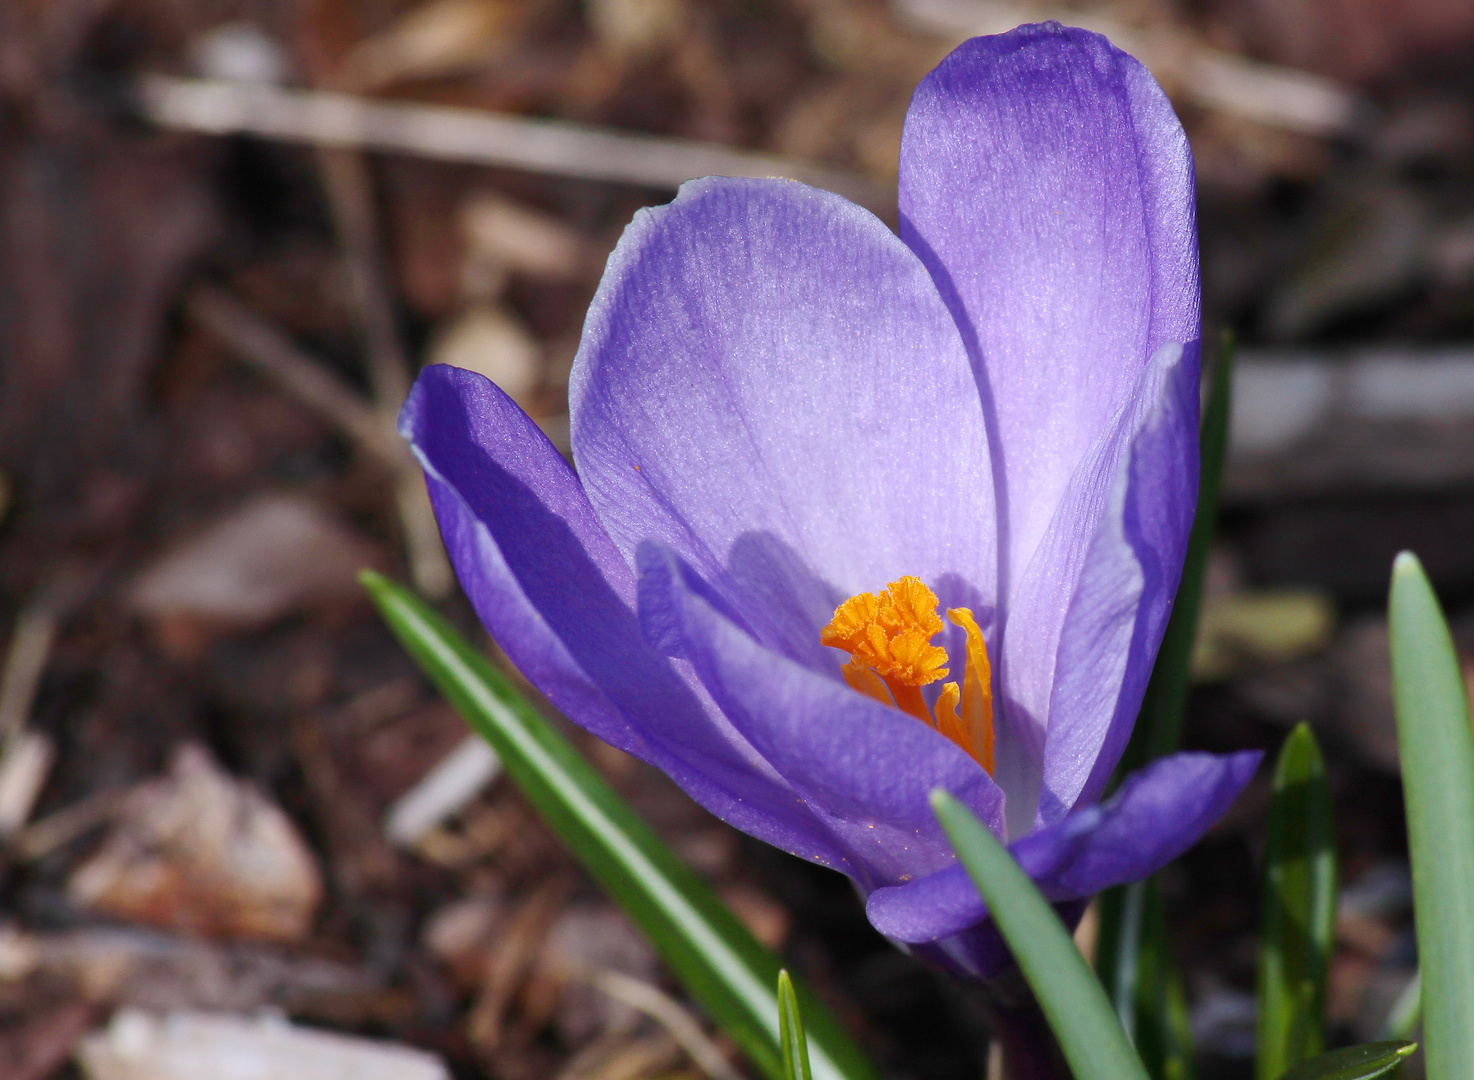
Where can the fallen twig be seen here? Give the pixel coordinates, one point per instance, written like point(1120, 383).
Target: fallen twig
point(298, 373)
point(517, 949)
point(442, 792)
point(349, 190)
point(324, 118)
point(1385, 418)
point(26, 756)
point(43, 837)
point(30, 648)
point(371, 429)
point(128, 966)
point(666, 1011)
point(633, 1059)
point(27, 763)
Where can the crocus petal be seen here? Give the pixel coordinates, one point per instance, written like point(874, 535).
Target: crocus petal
point(865, 769)
point(1048, 187)
point(1159, 813)
point(980, 951)
point(1125, 587)
point(947, 902)
point(770, 386)
point(552, 590)
point(1087, 616)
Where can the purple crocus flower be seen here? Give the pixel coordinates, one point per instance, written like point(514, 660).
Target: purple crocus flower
point(820, 468)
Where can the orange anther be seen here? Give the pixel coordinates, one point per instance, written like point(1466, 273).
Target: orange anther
point(888, 636)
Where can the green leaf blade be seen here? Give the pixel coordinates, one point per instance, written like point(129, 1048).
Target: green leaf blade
point(1119, 951)
point(1436, 744)
point(715, 957)
point(1353, 1063)
point(791, 1032)
point(1072, 998)
point(1298, 909)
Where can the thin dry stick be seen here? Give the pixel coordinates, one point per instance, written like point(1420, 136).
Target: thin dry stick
point(666, 1011)
point(442, 792)
point(310, 382)
point(25, 661)
point(516, 950)
point(609, 1041)
point(350, 193)
point(27, 763)
point(43, 837)
point(475, 136)
point(30, 646)
point(298, 373)
point(349, 189)
point(642, 1057)
point(26, 756)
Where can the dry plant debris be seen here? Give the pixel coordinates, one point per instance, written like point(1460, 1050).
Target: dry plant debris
point(199, 850)
point(201, 1046)
point(256, 564)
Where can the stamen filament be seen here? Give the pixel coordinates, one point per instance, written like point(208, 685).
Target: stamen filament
point(909, 701)
point(950, 724)
point(860, 676)
point(977, 689)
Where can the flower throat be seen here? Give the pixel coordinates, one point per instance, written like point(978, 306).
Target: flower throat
point(888, 637)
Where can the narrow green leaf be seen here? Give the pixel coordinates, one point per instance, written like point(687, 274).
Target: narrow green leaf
point(1437, 749)
point(1144, 984)
point(1354, 1063)
point(1118, 951)
point(1072, 999)
point(715, 957)
point(791, 1032)
point(1172, 1057)
point(1298, 908)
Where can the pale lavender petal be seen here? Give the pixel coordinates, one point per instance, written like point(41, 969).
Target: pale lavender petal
point(770, 385)
point(1124, 591)
point(1159, 813)
point(948, 903)
point(1049, 188)
point(556, 595)
point(1087, 613)
point(863, 768)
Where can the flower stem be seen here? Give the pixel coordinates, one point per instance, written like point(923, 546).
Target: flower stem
point(1030, 1050)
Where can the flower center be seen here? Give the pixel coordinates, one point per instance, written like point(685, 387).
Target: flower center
point(888, 637)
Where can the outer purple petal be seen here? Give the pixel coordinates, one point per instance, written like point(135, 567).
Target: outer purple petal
point(1088, 612)
point(551, 588)
point(1125, 589)
point(770, 386)
point(980, 952)
point(1048, 187)
point(863, 768)
point(1158, 814)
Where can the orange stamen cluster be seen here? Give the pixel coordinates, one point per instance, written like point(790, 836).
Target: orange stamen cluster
point(888, 637)
point(891, 632)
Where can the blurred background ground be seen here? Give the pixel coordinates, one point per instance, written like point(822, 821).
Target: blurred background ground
point(225, 788)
